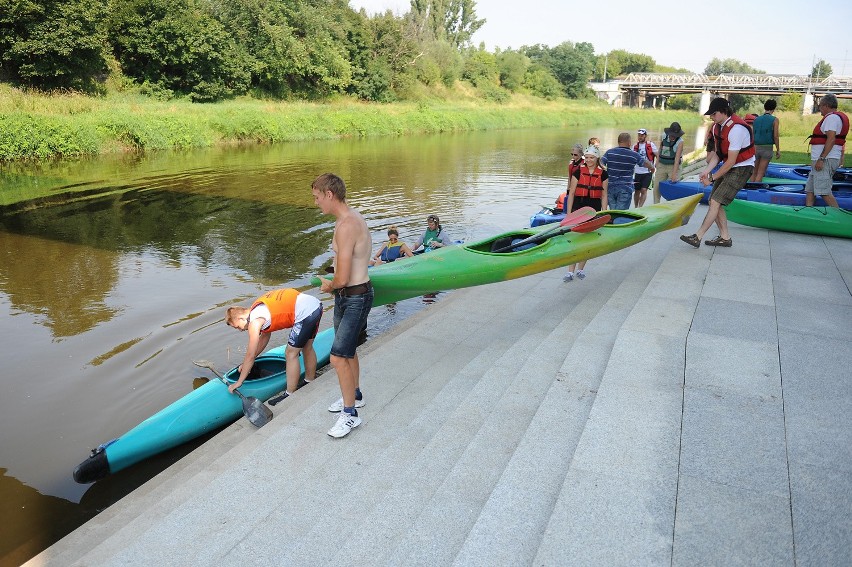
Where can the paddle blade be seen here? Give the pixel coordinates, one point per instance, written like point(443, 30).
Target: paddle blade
point(256, 411)
point(578, 216)
point(591, 224)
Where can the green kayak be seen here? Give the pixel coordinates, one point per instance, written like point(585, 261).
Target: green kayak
point(479, 263)
point(823, 221)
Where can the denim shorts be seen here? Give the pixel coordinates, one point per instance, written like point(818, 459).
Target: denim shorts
point(306, 329)
point(350, 320)
point(620, 198)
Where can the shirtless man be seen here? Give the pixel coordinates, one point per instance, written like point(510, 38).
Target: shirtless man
point(353, 295)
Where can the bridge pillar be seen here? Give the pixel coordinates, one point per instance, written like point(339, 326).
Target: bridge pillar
point(808, 103)
point(704, 104)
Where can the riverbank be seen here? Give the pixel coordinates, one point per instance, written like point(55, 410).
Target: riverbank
point(38, 127)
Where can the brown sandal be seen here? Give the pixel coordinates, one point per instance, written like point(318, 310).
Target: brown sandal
point(719, 241)
point(692, 239)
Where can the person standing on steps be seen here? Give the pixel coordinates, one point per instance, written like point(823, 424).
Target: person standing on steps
point(671, 154)
point(588, 188)
point(734, 145)
point(642, 177)
point(273, 311)
point(766, 128)
point(827, 145)
point(620, 163)
point(353, 295)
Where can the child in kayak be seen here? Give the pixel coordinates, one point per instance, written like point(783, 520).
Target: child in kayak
point(391, 250)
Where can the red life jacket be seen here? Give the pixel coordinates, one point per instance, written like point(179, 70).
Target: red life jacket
point(282, 307)
point(649, 152)
point(560, 202)
point(572, 167)
point(818, 137)
point(750, 118)
point(720, 135)
point(590, 183)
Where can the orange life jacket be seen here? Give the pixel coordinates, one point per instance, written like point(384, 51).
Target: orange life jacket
point(818, 137)
point(560, 202)
point(649, 152)
point(282, 306)
point(720, 135)
point(590, 183)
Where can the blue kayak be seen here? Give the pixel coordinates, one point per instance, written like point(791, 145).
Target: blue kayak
point(799, 172)
point(201, 411)
point(793, 194)
point(546, 216)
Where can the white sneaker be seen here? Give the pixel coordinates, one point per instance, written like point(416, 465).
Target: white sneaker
point(568, 277)
point(345, 424)
point(337, 406)
point(581, 275)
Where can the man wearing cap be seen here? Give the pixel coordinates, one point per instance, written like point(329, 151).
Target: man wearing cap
point(827, 144)
point(620, 163)
point(642, 177)
point(668, 162)
point(735, 147)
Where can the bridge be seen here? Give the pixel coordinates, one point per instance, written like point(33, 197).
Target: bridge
point(652, 89)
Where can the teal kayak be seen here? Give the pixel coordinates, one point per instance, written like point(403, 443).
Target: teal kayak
point(203, 410)
point(822, 221)
point(480, 263)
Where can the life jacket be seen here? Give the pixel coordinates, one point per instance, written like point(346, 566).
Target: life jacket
point(819, 137)
point(391, 252)
point(749, 118)
point(668, 151)
point(282, 306)
point(590, 183)
point(720, 134)
point(649, 152)
point(560, 201)
point(572, 166)
point(763, 130)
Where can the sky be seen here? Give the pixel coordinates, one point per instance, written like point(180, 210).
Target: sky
point(781, 36)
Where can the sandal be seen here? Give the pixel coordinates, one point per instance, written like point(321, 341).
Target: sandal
point(719, 241)
point(692, 239)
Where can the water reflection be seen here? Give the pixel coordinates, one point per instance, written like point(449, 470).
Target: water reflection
point(116, 272)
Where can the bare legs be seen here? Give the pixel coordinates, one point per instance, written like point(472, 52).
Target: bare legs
point(348, 370)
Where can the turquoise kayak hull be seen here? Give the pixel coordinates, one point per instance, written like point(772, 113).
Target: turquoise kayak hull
point(201, 411)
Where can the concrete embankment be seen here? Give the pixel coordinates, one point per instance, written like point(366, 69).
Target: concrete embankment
point(676, 407)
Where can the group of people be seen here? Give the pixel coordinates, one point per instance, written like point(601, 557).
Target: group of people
point(353, 298)
point(742, 149)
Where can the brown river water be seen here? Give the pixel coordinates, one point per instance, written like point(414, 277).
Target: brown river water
point(115, 274)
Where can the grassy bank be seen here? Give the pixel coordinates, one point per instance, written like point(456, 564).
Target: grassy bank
point(34, 126)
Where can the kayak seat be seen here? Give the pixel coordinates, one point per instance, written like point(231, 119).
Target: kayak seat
point(508, 241)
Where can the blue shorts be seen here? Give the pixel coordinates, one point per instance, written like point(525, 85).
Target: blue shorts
point(306, 329)
point(350, 320)
point(619, 198)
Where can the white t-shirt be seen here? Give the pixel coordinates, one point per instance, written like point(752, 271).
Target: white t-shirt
point(831, 122)
point(739, 138)
point(305, 305)
point(642, 152)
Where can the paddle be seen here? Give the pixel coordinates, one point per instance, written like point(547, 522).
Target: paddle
point(573, 219)
point(587, 226)
point(254, 410)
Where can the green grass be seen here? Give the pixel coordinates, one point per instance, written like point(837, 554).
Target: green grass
point(38, 126)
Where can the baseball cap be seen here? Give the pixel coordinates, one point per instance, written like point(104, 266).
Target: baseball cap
point(642, 131)
point(717, 105)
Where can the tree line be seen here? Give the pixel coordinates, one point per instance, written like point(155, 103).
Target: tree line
point(209, 50)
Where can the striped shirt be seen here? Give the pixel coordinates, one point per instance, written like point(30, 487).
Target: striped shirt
point(619, 163)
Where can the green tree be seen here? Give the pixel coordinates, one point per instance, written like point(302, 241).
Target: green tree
point(384, 64)
point(821, 70)
point(738, 102)
point(52, 43)
point(512, 67)
point(294, 48)
point(683, 102)
point(541, 82)
point(619, 62)
point(790, 102)
point(177, 47)
point(480, 67)
point(453, 21)
point(571, 64)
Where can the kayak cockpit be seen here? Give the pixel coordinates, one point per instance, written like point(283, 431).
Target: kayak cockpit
point(503, 243)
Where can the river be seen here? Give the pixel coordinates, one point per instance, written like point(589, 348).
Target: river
point(116, 272)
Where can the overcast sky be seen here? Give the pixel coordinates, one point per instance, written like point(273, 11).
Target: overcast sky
point(779, 36)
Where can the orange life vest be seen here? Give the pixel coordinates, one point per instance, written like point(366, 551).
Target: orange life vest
point(590, 183)
point(720, 135)
point(560, 202)
point(819, 137)
point(649, 152)
point(282, 306)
